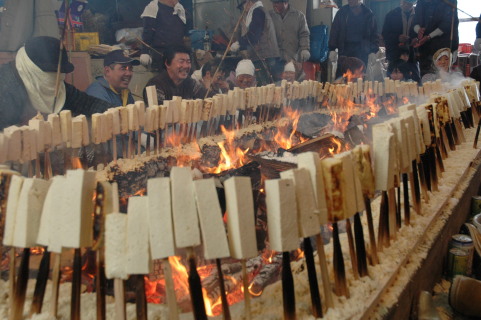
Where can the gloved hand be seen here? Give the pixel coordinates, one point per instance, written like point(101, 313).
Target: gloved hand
point(145, 59)
point(421, 33)
point(371, 59)
point(304, 55)
point(421, 41)
point(333, 56)
point(477, 45)
point(235, 46)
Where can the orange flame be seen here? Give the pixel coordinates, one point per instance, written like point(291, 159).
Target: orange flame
point(283, 138)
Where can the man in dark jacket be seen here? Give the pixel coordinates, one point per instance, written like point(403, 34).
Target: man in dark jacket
point(175, 80)
point(397, 30)
point(436, 24)
point(113, 86)
point(258, 37)
point(354, 33)
point(165, 25)
point(28, 85)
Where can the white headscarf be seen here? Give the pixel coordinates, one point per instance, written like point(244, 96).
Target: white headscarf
point(152, 8)
point(250, 12)
point(40, 84)
point(245, 66)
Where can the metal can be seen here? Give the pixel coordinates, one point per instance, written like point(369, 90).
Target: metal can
point(465, 243)
point(475, 205)
point(457, 262)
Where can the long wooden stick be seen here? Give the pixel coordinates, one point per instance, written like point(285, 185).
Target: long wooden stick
point(392, 214)
point(339, 270)
point(140, 298)
point(329, 303)
point(288, 296)
point(195, 285)
point(383, 230)
point(100, 284)
point(119, 292)
point(247, 296)
point(223, 296)
point(360, 246)
point(313, 285)
point(20, 287)
point(370, 226)
point(352, 250)
point(76, 284)
point(55, 285)
point(407, 209)
point(170, 290)
point(12, 275)
point(40, 284)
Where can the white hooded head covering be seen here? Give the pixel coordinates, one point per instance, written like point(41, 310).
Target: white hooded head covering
point(289, 67)
point(245, 67)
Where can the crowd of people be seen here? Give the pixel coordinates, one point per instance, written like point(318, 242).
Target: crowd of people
point(420, 40)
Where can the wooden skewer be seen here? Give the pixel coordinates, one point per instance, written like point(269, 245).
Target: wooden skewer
point(12, 275)
point(475, 143)
point(398, 206)
point(383, 230)
point(40, 284)
point(370, 226)
point(313, 285)
point(288, 296)
point(454, 131)
point(124, 146)
point(223, 296)
point(100, 285)
point(423, 181)
point(170, 291)
point(392, 214)
point(76, 284)
point(324, 273)
point(197, 299)
point(407, 210)
point(247, 296)
point(352, 250)
point(141, 300)
point(20, 287)
point(129, 146)
point(114, 147)
point(119, 292)
point(360, 246)
point(339, 271)
point(415, 187)
point(55, 285)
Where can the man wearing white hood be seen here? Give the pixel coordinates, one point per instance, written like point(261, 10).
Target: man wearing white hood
point(165, 25)
point(245, 74)
point(28, 85)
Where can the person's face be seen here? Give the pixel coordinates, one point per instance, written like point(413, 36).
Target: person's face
point(179, 68)
point(443, 63)
point(406, 6)
point(119, 75)
point(396, 75)
point(289, 76)
point(404, 57)
point(280, 7)
point(219, 81)
point(354, 3)
point(245, 81)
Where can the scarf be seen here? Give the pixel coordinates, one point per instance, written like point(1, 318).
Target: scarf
point(40, 85)
point(152, 8)
point(251, 11)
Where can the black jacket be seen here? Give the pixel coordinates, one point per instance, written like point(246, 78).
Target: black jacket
point(441, 18)
point(391, 30)
point(340, 27)
point(16, 108)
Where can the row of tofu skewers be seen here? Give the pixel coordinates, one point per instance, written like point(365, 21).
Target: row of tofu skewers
point(178, 212)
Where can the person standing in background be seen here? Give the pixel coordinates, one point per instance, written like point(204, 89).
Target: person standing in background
point(397, 31)
point(354, 33)
point(477, 42)
point(165, 25)
point(291, 31)
point(436, 25)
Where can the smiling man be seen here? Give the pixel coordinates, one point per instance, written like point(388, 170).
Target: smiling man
point(175, 80)
point(113, 86)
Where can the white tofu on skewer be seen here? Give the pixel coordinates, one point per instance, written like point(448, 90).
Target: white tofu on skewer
point(3, 148)
point(240, 217)
point(66, 126)
point(161, 230)
point(14, 135)
point(186, 222)
point(138, 256)
point(116, 246)
point(54, 120)
point(14, 190)
point(282, 214)
point(385, 161)
point(307, 212)
point(214, 238)
point(29, 212)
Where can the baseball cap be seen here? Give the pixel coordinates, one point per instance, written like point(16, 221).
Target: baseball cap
point(44, 52)
point(119, 57)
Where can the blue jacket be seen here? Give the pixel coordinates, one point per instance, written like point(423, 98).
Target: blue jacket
point(101, 89)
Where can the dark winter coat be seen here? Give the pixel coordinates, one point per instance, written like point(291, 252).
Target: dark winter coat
point(391, 30)
point(340, 27)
